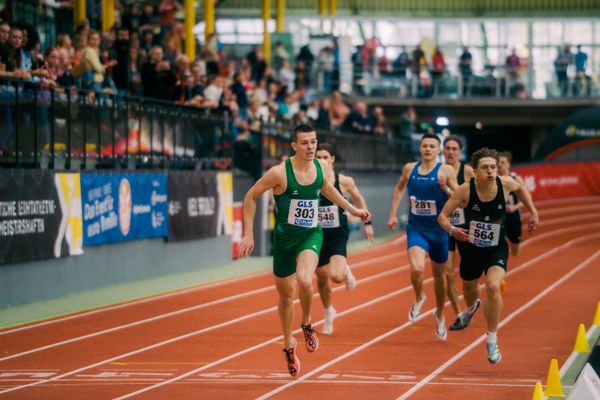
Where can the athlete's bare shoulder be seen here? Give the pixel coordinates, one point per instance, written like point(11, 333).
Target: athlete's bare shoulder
point(346, 182)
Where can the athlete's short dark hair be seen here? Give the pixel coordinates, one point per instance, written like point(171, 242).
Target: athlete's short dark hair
point(482, 153)
point(506, 154)
point(328, 147)
point(431, 136)
point(454, 138)
point(302, 128)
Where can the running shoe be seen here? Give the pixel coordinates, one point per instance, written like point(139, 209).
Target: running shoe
point(415, 309)
point(330, 314)
point(465, 319)
point(440, 328)
point(493, 353)
point(292, 361)
point(310, 337)
point(350, 279)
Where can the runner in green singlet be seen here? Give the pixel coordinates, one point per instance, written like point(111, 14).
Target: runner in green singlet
point(297, 184)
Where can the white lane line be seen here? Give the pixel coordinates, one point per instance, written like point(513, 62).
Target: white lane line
point(207, 329)
point(175, 379)
point(176, 292)
point(239, 319)
point(505, 321)
point(407, 324)
point(401, 238)
point(177, 312)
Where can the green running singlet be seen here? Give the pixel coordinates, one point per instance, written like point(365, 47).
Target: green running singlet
point(297, 223)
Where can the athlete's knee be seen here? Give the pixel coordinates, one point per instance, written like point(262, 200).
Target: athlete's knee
point(286, 301)
point(304, 282)
point(492, 288)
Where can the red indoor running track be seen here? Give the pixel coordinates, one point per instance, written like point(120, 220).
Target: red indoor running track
point(221, 341)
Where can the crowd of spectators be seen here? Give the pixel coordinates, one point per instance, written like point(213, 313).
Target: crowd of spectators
point(143, 56)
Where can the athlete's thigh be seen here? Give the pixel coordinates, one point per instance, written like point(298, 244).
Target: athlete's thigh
point(337, 264)
point(494, 275)
point(306, 264)
point(416, 258)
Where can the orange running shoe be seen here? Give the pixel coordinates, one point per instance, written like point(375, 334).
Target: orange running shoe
point(503, 285)
point(310, 337)
point(292, 361)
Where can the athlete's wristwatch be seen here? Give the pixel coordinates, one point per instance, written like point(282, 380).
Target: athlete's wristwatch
point(369, 222)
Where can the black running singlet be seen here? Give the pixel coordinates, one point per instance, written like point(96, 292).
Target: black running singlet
point(485, 220)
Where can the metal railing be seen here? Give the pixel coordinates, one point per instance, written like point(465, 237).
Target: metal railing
point(79, 130)
point(75, 130)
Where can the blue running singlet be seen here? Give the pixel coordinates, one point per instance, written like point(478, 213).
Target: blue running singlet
point(426, 199)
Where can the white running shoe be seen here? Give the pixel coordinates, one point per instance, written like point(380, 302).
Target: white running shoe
point(440, 328)
point(350, 279)
point(330, 314)
point(415, 309)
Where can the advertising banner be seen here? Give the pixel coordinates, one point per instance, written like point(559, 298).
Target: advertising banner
point(40, 215)
point(200, 204)
point(546, 180)
point(118, 207)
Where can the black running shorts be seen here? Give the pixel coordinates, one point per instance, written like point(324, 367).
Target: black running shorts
point(334, 244)
point(513, 227)
point(475, 261)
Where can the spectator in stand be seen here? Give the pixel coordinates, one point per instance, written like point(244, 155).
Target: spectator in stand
point(381, 128)
point(512, 65)
point(260, 66)
point(241, 96)
point(172, 47)
point(147, 41)
point(261, 91)
point(561, 64)
point(307, 58)
point(339, 110)
point(465, 67)
point(359, 120)
point(4, 33)
point(324, 118)
point(582, 84)
point(52, 67)
point(369, 54)
point(158, 77)
point(302, 75)
point(312, 111)
point(211, 55)
point(121, 71)
point(325, 62)
point(418, 62)
point(135, 76)
point(213, 92)
point(438, 68)
point(14, 55)
point(94, 77)
point(401, 64)
point(383, 65)
point(182, 92)
point(281, 55)
point(286, 75)
point(148, 19)
point(65, 46)
point(167, 10)
point(80, 44)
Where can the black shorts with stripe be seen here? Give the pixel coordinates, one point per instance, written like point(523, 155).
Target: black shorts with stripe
point(475, 261)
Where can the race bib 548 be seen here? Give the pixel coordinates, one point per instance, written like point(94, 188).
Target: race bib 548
point(329, 216)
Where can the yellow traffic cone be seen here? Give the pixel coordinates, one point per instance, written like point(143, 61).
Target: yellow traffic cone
point(553, 386)
point(537, 393)
point(581, 342)
point(597, 316)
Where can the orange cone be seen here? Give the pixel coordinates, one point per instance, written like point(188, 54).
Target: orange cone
point(597, 316)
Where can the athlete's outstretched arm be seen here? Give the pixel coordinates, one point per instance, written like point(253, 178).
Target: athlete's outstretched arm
point(332, 194)
point(270, 180)
point(458, 198)
point(347, 184)
point(525, 197)
point(397, 195)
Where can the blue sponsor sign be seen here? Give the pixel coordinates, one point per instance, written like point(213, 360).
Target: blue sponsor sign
point(119, 207)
